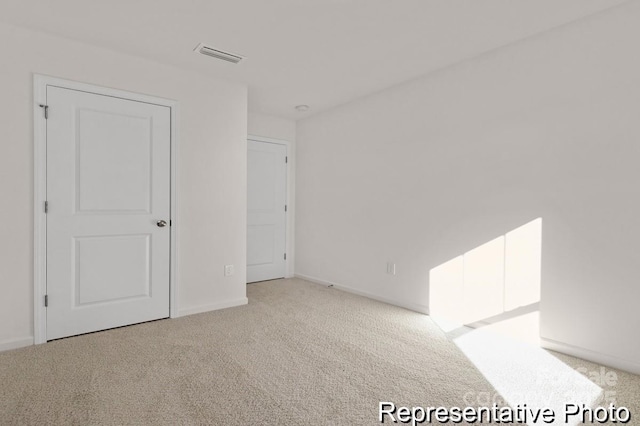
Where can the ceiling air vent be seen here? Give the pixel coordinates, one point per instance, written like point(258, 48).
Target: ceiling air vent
point(218, 54)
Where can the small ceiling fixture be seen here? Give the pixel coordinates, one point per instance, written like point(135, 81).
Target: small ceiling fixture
point(218, 54)
point(302, 108)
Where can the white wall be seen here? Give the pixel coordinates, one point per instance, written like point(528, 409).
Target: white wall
point(426, 171)
point(266, 127)
point(269, 126)
point(211, 169)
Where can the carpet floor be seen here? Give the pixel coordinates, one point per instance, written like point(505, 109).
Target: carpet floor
point(297, 354)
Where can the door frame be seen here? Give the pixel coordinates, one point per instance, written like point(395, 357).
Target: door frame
point(40, 83)
point(289, 228)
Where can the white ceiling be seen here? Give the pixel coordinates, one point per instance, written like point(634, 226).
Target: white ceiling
point(317, 52)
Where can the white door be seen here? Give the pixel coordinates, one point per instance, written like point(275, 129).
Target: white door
point(266, 218)
point(108, 192)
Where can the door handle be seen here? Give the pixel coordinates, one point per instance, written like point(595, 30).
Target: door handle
point(161, 223)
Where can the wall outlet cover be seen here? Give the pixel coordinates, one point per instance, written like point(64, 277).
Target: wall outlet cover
point(391, 268)
point(228, 270)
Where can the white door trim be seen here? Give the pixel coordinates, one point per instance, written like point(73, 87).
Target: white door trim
point(290, 194)
point(40, 83)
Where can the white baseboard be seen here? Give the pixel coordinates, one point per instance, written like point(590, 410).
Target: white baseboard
point(213, 307)
point(589, 355)
point(6, 345)
point(411, 306)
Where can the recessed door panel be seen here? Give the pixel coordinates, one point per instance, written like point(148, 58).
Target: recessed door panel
point(101, 138)
point(261, 244)
point(262, 180)
point(97, 280)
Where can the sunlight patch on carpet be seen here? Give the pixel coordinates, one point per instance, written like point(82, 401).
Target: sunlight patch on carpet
point(525, 374)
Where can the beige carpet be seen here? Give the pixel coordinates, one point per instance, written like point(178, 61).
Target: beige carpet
point(298, 354)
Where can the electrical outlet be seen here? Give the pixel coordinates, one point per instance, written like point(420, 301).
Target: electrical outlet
point(228, 270)
point(391, 268)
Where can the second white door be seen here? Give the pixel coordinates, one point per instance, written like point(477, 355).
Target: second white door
point(267, 210)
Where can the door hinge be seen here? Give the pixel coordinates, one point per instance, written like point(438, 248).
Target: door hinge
point(46, 207)
point(285, 256)
point(286, 159)
point(46, 111)
point(285, 207)
point(46, 300)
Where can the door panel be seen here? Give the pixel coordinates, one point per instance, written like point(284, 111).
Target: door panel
point(263, 245)
point(97, 281)
point(102, 138)
point(108, 183)
point(266, 218)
